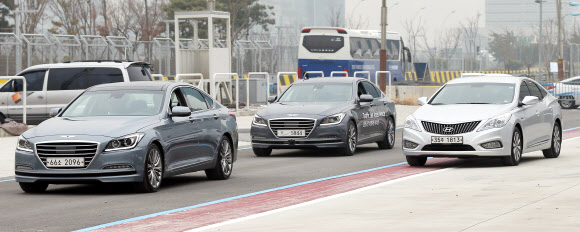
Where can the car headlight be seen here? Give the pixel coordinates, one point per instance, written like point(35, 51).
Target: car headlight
point(125, 142)
point(259, 121)
point(497, 122)
point(23, 144)
point(412, 124)
point(333, 119)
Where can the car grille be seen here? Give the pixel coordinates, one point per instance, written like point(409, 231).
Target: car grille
point(292, 124)
point(88, 150)
point(444, 129)
point(448, 148)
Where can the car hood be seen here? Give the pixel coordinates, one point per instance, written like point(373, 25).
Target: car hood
point(323, 109)
point(459, 113)
point(98, 126)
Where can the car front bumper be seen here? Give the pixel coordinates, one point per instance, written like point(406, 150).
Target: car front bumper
point(471, 144)
point(329, 136)
point(94, 172)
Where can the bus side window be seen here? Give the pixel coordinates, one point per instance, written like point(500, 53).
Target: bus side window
point(368, 52)
point(353, 46)
point(376, 49)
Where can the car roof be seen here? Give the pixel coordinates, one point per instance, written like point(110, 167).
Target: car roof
point(329, 80)
point(81, 64)
point(138, 85)
point(490, 78)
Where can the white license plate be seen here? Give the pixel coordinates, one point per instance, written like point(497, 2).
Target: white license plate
point(447, 139)
point(65, 162)
point(291, 133)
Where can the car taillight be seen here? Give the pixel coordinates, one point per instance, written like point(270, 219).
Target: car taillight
point(346, 70)
point(340, 31)
point(233, 115)
point(306, 30)
point(299, 73)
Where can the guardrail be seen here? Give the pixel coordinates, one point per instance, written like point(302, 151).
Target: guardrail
point(278, 83)
point(191, 76)
point(363, 72)
point(158, 77)
point(24, 91)
point(345, 73)
point(314, 72)
point(389, 78)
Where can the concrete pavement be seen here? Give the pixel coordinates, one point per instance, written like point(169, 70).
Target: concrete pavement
point(479, 195)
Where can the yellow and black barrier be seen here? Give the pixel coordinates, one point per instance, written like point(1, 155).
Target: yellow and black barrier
point(445, 76)
point(287, 80)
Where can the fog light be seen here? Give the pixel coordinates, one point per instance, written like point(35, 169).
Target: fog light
point(25, 167)
point(409, 144)
point(491, 145)
point(118, 166)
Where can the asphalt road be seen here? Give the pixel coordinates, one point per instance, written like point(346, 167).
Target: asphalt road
point(71, 207)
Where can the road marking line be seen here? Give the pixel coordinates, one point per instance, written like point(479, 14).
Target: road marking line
point(315, 201)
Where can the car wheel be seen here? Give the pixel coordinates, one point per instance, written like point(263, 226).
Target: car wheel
point(568, 102)
point(224, 164)
point(351, 139)
point(33, 187)
point(262, 152)
point(153, 172)
point(389, 141)
point(416, 161)
point(2, 119)
point(554, 150)
point(516, 149)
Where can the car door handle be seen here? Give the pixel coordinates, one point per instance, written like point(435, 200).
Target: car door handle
point(40, 97)
point(216, 117)
point(192, 119)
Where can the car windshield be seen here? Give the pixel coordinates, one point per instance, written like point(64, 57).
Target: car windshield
point(116, 103)
point(475, 93)
point(318, 92)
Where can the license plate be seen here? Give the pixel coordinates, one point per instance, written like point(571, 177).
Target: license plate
point(447, 139)
point(65, 162)
point(291, 133)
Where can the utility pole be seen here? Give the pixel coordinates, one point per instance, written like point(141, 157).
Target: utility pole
point(383, 51)
point(540, 40)
point(147, 30)
point(560, 41)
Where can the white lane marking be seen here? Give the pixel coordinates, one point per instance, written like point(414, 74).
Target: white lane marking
point(314, 201)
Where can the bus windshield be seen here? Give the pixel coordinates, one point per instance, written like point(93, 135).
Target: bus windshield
point(323, 43)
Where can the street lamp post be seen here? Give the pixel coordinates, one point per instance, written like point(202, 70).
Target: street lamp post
point(383, 51)
point(560, 41)
point(540, 42)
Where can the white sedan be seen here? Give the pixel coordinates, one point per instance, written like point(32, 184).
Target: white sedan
point(488, 116)
point(568, 92)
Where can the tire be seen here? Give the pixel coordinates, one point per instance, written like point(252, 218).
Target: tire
point(2, 119)
point(153, 171)
point(416, 161)
point(225, 162)
point(389, 141)
point(568, 102)
point(516, 149)
point(33, 187)
point(351, 140)
point(262, 152)
point(554, 150)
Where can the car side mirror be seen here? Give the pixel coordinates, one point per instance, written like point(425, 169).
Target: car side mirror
point(366, 98)
point(180, 111)
point(530, 100)
point(422, 101)
point(54, 112)
point(272, 99)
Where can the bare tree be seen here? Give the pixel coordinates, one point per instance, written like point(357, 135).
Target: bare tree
point(357, 21)
point(470, 35)
point(29, 22)
point(335, 16)
point(415, 30)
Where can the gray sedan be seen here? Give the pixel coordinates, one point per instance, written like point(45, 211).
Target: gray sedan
point(338, 113)
point(137, 132)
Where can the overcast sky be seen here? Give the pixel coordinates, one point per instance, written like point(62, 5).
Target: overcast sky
point(436, 14)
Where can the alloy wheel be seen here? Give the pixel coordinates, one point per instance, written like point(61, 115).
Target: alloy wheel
point(517, 146)
point(391, 131)
point(226, 157)
point(557, 139)
point(154, 168)
point(352, 138)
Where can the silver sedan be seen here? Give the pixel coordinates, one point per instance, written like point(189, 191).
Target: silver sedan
point(502, 117)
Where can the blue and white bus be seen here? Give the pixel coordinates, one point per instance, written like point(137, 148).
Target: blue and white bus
point(330, 49)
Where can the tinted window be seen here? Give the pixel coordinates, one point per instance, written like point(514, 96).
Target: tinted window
point(176, 99)
point(370, 89)
point(138, 73)
point(82, 78)
point(34, 82)
point(524, 91)
point(195, 99)
point(393, 49)
point(318, 92)
point(7, 87)
point(209, 101)
point(323, 43)
point(474, 93)
point(534, 90)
